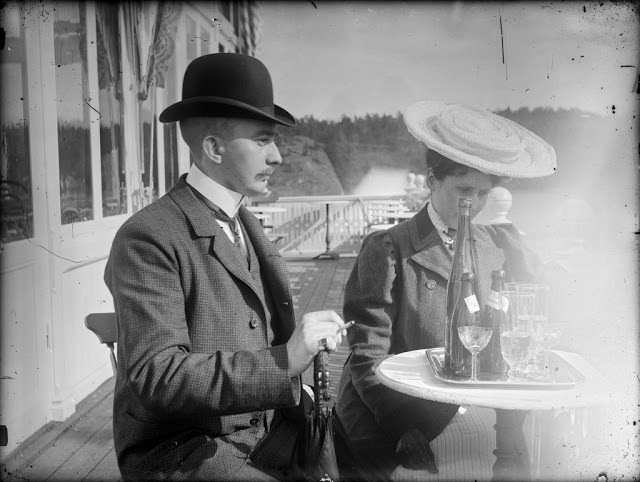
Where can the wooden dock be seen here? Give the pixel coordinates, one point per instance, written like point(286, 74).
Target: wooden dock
point(81, 448)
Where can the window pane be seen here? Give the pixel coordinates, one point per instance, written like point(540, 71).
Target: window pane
point(192, 39)
point(74, 148)
point(16, 200)
point(149, 150)
point(173, 94)
point(171, 173)
point(114, 188)
point(205, 37)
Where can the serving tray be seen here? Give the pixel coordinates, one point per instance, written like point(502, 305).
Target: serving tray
point(564, 374)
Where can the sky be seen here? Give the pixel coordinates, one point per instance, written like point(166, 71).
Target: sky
point(329, 59)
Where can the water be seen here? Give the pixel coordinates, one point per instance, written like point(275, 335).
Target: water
point(474, 338)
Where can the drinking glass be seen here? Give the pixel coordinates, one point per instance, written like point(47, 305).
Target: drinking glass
point(538, 324)
point(475, 337)
point(552, 332)
point(515, 332)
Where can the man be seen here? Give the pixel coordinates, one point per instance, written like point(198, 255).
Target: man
point(207, 341)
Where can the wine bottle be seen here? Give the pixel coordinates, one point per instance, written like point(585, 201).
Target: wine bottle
point(491, 363)
point(458, 362)
point(465, 317)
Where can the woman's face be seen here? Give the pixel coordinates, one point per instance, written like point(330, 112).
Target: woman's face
point(445, 193)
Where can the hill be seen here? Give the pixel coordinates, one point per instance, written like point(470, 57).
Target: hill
point(306, 170)
point(592, 151)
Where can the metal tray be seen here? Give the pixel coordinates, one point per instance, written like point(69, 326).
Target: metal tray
point(565, 375)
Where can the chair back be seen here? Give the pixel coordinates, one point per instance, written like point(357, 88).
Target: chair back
point(105, 326)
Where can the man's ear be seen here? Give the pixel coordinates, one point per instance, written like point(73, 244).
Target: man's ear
point(213, 149)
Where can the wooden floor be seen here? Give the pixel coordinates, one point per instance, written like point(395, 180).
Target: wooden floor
point(81, 448)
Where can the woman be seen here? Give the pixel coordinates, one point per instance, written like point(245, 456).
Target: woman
point(397, 290)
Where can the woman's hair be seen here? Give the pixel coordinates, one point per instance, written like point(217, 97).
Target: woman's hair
point(442, 167)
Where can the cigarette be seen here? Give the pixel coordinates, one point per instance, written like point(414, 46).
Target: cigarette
point(346, 326)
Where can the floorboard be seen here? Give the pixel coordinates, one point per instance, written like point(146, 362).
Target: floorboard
point(69, 442)
point(81, 448)
point(82, 462)
point(106, 470)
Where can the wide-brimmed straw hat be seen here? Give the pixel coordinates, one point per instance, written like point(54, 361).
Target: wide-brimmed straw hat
point(227, 85)
point(480, 139)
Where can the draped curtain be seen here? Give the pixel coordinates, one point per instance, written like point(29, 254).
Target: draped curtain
point(150, 34)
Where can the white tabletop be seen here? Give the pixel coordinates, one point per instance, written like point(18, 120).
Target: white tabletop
point(410, 373)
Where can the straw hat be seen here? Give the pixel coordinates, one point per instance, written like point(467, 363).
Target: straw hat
point(480, 139)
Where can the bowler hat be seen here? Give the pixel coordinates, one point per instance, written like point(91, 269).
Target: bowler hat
point(227, 85)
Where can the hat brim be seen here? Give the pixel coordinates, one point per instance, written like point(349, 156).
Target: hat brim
point(537, 159)
point(212, 106)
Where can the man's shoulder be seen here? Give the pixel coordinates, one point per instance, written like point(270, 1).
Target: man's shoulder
point(159, 216)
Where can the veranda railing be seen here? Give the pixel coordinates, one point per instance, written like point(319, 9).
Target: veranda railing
point(314, 225)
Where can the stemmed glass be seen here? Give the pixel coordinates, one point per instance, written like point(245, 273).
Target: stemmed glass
point(551, 333)
point(515, 334)
point(475, 337)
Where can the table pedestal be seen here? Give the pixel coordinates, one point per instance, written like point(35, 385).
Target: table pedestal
point(512, 458)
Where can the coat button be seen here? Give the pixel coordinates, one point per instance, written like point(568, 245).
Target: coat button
point(254, 421)
point(431, 284)
point(253, 323)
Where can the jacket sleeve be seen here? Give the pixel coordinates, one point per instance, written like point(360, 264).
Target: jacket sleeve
point(369, 299)
point(154, 348)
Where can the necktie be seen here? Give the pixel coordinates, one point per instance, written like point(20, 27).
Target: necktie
point(451, 241)
point(233, 225)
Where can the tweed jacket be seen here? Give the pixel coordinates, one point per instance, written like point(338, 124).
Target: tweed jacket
point(396, 293)
point(201, 355)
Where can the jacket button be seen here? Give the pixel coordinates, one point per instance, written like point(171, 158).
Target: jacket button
point(254, 421)
point(253, 323)
point(431, 284)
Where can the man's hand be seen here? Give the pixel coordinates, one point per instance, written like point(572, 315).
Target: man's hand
point(305, 342)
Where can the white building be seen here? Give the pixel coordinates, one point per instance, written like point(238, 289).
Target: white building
point(82, 84)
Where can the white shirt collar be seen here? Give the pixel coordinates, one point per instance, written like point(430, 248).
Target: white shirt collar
point(226, 199)
point(439, 224)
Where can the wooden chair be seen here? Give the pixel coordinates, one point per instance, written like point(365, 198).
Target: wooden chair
point(105, 326)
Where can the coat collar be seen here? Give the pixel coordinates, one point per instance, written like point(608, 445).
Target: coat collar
point(430, 252)
point(269, 258)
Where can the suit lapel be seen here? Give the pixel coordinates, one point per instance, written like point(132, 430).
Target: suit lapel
point(274, 270)
point(205, 225)
point(433, 255)
point(429, 251)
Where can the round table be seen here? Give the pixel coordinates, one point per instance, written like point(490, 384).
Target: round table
point(411, 373)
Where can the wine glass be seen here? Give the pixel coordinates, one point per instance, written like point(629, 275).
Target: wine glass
point(552, 331)
point(474, 336)
point(515, 333)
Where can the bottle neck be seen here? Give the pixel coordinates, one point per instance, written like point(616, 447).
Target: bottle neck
point(464, 241)
point(466, 289)
point(497, 284)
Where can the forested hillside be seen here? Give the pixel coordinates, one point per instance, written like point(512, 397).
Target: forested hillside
point(588, 148)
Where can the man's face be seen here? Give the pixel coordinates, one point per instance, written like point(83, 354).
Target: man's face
point(473, 185)
point(250, 156)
